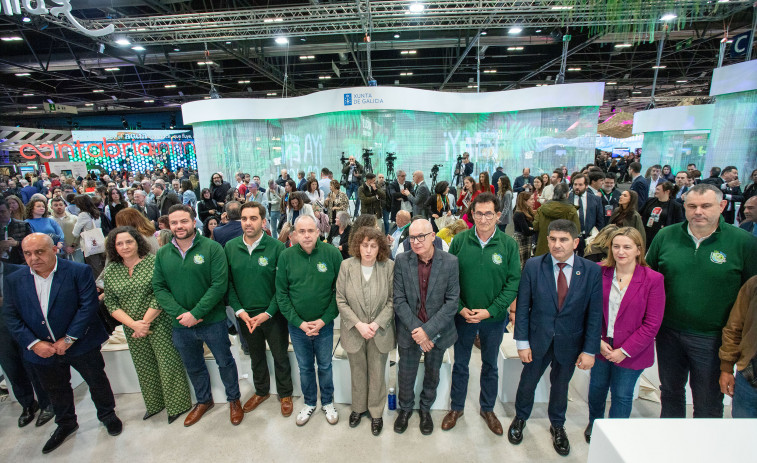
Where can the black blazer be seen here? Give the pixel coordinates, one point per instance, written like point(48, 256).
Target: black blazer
point(641, 187)
point(577, 327)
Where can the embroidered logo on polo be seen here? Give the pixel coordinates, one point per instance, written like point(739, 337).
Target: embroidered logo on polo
point(497, 259)
point(322, 267)
point(199, 259)
point(262, 261)
point(717, 257)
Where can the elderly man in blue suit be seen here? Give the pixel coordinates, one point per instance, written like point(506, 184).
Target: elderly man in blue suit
point(589, 210)
point(51, 311)
point(558, 320)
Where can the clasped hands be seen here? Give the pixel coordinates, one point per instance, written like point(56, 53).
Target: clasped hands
point(47, 349)
point(188, 320)
point(612, 355)
point(584, 362)
point(367, 330)
point(475, 315)
point(421, 338)
point(312, 328)
point(254, 322)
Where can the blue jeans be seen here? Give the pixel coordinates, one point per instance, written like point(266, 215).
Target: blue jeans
point(744, 399)
point(607, 376)
point(352, 194)
point(188, 342)
point(386, 221)
point(274, 223)
point(682, 357)
point(308, 350)
point(490, 334)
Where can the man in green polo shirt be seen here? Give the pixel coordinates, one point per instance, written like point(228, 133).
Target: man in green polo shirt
point(189, 282)
point(306, 295)
point(252, 294)
point(705, 262)
point(489, 264)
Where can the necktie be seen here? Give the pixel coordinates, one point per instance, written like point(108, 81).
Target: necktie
point(580, 211)
point(562, 286)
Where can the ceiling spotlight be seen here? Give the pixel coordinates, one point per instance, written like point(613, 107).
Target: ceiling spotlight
point(27, 19)
point(483, 32)
point(244, 82)
point(89, 104)
point(406, 73)
point(408, 52)
point(574, 69)
point(28, 94)
point(14, 38)
point(138, 48)
point(177, 49)
point(636, 92)
point(22, 74)
point(149, 101)
point(31, 107)
point(203, 63)
point(282, 40)
point(228, 43)
point(515, 30)
point(271, 94)
point(170, 86)
point(668, 17)
point(623, 45)
point(123, 42)
point(416, 7)
point(611, 83)
point(98, 91)
point(490, 71)
point(659, 67)
point(681, 81)
point(306, 57)
point(514, 48)
point(112, 69)
point(396, 36)
point(537, 30)
point(324, 77)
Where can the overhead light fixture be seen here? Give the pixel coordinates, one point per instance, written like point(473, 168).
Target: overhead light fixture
point(138, 48)
point(472, 86)
point(537, 30)
point(574, 69)
point(170, 86)
point(483, 32)
point(408, 52)
point(98, 90)
point(22, 74)
point(203, 63)
point(406, 73)
point(89, 104)
point(273, 20)
point(112, 69)
point(681, 81)
point(27, 19)
point(271, 94)
point(177, 49)
point(416, 7)
point(662, 66)
point(668, 17)
point(228, 43)
point(31, 107)
point(729, 41)
point(636, 92)
point(514, 48)
point(28, 94)
point(282, 40)
point(562, 7)
point(490, 71)
point(611, 83)
point(515, 30)
point(306, 57)
point(244, 82)
point(396, 36)
point(123, 42)
point(324, 77)
point(623, 45)
point(13, 38)
point(149, 101)
point(723, 1)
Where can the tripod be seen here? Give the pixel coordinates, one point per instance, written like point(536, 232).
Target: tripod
point(457, 179)
point(390, 175)
point(343, 160)
point(434, 174)
point(367, 165)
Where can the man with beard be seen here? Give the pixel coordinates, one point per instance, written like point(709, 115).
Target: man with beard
point(218, 188)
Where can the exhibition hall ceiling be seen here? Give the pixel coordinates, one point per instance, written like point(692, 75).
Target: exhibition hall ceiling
point(165, 53)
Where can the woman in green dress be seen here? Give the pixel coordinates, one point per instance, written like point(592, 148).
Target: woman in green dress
point(130, 300)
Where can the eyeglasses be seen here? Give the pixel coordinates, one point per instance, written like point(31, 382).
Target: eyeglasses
point(419, 238)
point(482, 215)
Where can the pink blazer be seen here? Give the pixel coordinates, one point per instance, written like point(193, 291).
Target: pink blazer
point(639, 316)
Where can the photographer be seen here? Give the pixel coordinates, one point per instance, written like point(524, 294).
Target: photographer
point(398, 199)
point(354, 172)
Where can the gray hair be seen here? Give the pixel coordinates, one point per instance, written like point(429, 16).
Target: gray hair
point(140, 193)
point(702, 188)
point(560, 192)
point(233, 210)
point(344, 218)
point(303, 216)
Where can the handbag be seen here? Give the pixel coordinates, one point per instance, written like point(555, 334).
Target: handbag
point(92, 242)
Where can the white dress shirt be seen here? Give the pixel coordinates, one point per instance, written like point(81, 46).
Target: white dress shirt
point(43, 286)
point(613, 306)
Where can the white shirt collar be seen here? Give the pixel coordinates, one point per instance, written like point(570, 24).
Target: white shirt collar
point(55, 269)
point(251, 247)
point(569, 261)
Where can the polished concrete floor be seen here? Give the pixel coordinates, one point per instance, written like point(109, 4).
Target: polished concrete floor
point(266, 436)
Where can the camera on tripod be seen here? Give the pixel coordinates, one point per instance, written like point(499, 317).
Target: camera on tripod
point(391, 157)
point(435, 168)
point(344, 159)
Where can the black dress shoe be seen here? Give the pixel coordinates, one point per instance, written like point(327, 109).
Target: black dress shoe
point(27, 414)
point(114, 426)
point(377, 424)
point(515, 432)
point(587, 433)
point(45, 415)
point(400, 424)
point(560, 440)
point(355, 418)
point(427, 424)
point(57, 437)
point(172, 418)
point(149, 415)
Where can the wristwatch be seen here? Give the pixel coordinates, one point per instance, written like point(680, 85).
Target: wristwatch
point(68, 340)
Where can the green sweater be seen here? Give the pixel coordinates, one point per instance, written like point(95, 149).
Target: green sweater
point(195, 283)
point(489, 276)
point(701, 285)
point(306, 283)
point(252, 277)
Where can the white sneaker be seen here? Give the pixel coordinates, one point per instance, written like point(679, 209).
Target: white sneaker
point(304, 415)
point(331, 415)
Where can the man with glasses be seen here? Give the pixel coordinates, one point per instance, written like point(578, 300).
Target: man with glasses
point(426, 291)
point(489, 267)
point(396, 196)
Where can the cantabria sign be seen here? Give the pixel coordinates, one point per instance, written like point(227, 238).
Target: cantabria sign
point(11, 7)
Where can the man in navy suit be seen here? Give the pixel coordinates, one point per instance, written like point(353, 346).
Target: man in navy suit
point(589, 210)
point(523, 180)
point(639, 183)
point(558, 322)
point(51, 311)
point(233, 228)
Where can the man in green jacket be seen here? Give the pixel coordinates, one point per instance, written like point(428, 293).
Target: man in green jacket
point(705, 262)
point(189, 281)
point(489, 264)
point(253, 258)
point(306, 295)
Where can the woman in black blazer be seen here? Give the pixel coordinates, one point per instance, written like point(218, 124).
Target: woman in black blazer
point(661, 211)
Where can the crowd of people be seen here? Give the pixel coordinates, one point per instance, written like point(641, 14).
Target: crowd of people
point(583, 273)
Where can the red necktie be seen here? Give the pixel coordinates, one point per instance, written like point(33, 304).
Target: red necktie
point(562, 286)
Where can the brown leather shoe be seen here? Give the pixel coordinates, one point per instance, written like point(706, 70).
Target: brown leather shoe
point(286, 406)
point(197, 412)
point(450, 420)
point(254, 401)
point(491, 420)
point(235, 412)
point(477, 342)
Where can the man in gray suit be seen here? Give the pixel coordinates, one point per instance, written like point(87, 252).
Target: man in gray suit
point(426, 292)
point(421, 195)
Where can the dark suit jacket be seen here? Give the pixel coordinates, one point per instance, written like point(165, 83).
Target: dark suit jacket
point(228, 232)
point(72, 310)
point(593, 216)
point(610, 201)
point(396, 195)
point(17, 229)
point(641, 187)
point(8, 269)
point(520, 182)
point(419, 199)
point(441, 299)
point(150, 211)
point(639, 317)
point(577, 327)
point(166, 200)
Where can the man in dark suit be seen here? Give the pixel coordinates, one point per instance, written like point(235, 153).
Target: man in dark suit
point(426, 292)
point(730, 185)
point(12, 232)
point(51, 311)
point(420, 196)
point(164, 199)
point(639, 184)
point(682, 181)
point(233, 228)
point(19, 373)
point(147, 209)
point(523, 180)
point(396, 197)
point(589, 210)
point(558, 321)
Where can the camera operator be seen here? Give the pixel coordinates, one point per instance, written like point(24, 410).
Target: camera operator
point(354, 171)
point(467, 165)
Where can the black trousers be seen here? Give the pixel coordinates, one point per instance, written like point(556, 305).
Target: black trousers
point(276, 333)
point(407, 371)
point(20, 375)
point(56, 379)
point(559, 379)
